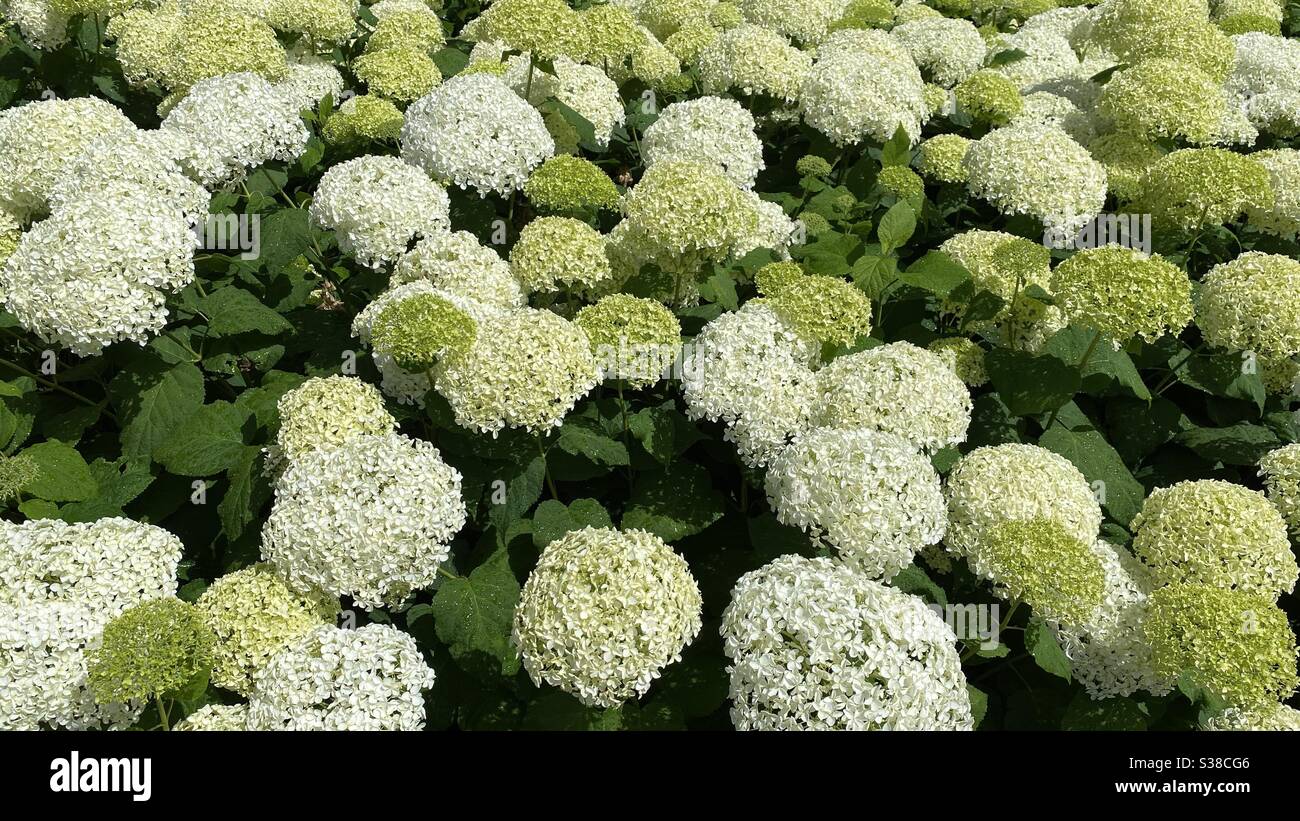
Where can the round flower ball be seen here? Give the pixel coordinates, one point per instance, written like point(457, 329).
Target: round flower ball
point(1216, 533)
point(1163, 98)
point(633, 339)
point(1249, 304)
point(988, 97)
point(559, 253)
point(1016, 482)
point(475, 132)
point(864, 85)
point(869, 494)
point(376, 205)
point(1037, 170)
point(1283, 218)
point(565, 184)
point(458, 263)
point(253, 615)
point(151, 649)
point(526, 369)
point(604, 612)
point(1191, 188)
point(419, 329)
point(1235, 644)
point(822, 308)
point(940, 158)
point(1123, 293)
point(371, 678)
point(1280, 470)
point(362, 119)
point(688, 209)
point(1038, 561)
point(707, 130)
point(324, 412)
point(402, 74)
point(753, 60)
point(371, 519)
point(815, 645)
point(896, 388)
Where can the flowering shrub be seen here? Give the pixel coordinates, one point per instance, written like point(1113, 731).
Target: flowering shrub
point(669, 364)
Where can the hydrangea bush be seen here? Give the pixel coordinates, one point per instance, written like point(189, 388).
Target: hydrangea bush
point(669, 364)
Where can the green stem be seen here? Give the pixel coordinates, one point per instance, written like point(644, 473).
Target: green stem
point(162, 714)
point(1087, 354)
point(56, 386)
point(1173, 370)
point(546, 469)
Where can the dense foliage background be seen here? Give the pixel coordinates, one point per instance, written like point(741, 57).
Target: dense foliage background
point(172, 433)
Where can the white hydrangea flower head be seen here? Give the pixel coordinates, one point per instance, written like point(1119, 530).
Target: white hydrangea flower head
point(752, 372)
point(308, 81)
point(868, 494)
point(60, 584)
point(1248, 304)
point(1280, 470)
point(376, 205)
point(95, 271)
point(371, 519)
point(864, 85)
point(1265, 80)
point(805, 21)
point(457, 262)
point(41, 24)
point(1108, 652)
point(254, 615)
point(1037, 170)
point(604, 612)
point(1016, 482)
point(707, 130)
point(896, 388)
point(215, 718)
point(775, 231)
point(588, 91)
point(37, 139)
point(409, 387)
point(526, 369)
point(235, 123)
point(753, 60)
point(1048, 57)
point(324, 412)
point(1217, 533)
point(475, 132)
point(1046, 108)
point(815, 645)
point(948, 49)
point(371, 678)
point(1283, 218)
point(1273, 718)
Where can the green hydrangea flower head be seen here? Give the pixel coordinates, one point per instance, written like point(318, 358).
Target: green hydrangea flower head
point(408, 28)
point(1197, 187)
point(544, 28)
point(911, 12)
point(774, 276)
point(903, 183)
point(1245, 16)
point(865, 14)
point(725, 16)
point(688, 41)
point(1179, 30)
point(1249, 304)
point(935, 97)
point(689, 209)
point(150, 650)
point(1163, 98)
point(989, 97)
point(421, 330)
point(1038, 561)
point(555, 253)
point(1126, 157)
point(1013, 9)
point(814, 223)
point(1006, 265)
point(1280, 470)
point(612, 34)
point(1233, 643)
point(16, 472)
point(634, 339)
point(940, 158)
point(325, 412)
point(254, 614)
point(565, 184)
point(965, 356)
point(1218, 533)
point(403, 75)
point(811, 165)
point(1123, 293)
point(321, 22)
point(361, 119)
point(823, 308)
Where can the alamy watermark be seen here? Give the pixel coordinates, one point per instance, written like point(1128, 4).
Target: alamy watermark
point(1125, 230)
point(972, 622)
point(230, 232)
